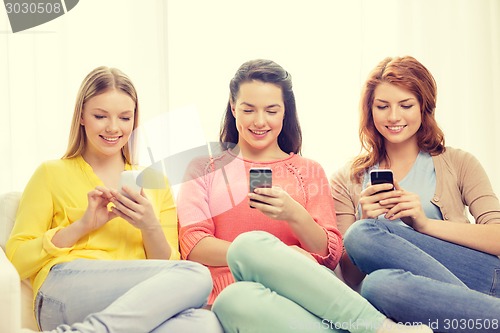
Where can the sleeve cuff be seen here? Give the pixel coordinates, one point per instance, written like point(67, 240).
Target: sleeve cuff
point(189, 240)
point(50, 247)
point(334, 245)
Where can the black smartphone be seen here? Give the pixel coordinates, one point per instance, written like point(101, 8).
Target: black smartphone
point(260, 177)
point(382, 176)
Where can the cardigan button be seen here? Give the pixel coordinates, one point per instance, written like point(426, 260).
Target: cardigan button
point(436, 198)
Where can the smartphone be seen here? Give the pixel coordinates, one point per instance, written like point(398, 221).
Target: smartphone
point(382, 176)
point(260, 177)
point(129, 178)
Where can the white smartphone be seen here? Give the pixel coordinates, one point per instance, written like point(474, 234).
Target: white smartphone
point(129, 178)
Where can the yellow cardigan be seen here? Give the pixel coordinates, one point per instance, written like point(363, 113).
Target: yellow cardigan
point(55, 197)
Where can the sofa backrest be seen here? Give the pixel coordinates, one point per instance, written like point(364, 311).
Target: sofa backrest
point(8, 208)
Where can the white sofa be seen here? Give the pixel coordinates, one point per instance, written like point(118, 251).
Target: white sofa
point(16, 296)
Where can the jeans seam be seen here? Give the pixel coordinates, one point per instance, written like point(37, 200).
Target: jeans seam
point(496, 280)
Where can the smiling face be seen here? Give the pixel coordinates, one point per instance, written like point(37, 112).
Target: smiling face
point(108, 120)
point(396, 115)
point(259, 111)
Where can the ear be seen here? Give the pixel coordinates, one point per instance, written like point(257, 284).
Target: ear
point(232, 109)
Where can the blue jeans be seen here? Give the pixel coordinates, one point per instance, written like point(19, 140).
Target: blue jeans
point(279, 290)
point(413, 277)
point(136, 296)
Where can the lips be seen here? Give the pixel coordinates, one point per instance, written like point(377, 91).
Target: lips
point(110, 139)
point(256, 132)
point(396, 129)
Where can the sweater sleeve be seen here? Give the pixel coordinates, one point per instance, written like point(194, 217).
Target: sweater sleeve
point(476, 189)
point(30, 246)
point(346, 197)
point(195, 221)
point(320, 206)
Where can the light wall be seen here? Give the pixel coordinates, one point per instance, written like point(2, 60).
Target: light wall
point(329, 47)
point(181, 55)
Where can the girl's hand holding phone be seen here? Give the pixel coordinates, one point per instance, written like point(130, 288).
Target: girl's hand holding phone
point(372, 200)
point(135, 208)
point(381, 187)
point(407, 207)
point(276, 203)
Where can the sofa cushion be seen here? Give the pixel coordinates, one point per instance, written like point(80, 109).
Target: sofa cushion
point(8, 209)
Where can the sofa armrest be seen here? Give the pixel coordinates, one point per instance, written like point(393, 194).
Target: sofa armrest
point(16, 297)
point(9, 202)
point(10, 296)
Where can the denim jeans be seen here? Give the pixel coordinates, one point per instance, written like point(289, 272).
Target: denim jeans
point(413, 277)
point(279, 290)
point(136, 296)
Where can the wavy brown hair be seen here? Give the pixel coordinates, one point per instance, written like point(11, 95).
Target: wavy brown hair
point(102, 79)
point(409, 74)
point(290, 137)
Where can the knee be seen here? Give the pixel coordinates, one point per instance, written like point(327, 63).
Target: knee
point(196, 270)
point(249, 246)
point(198, 276)
point(240, 303)
point(381, 285)
point(200, 272)
point(358, 236)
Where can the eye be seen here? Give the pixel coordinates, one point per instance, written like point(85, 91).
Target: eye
point(272, 111)
point(98, 116)
point(381, 107)
point(125, 118)
point(247, 111)
point(406, 107)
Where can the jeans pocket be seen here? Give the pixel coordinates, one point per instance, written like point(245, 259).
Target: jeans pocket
point(49, 312)
point(495, 284)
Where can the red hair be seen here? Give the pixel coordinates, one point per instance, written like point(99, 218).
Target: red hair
point(409, 74)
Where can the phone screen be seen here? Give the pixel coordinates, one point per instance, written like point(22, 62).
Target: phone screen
point(260, 177)
point(381, 177)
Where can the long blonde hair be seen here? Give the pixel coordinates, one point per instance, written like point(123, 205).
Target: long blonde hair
point(98, 81)
point(409, 74)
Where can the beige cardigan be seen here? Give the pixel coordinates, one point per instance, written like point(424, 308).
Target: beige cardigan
point(460, 181)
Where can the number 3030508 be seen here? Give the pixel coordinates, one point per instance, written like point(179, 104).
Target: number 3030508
point(470, 324)
point(33, 8)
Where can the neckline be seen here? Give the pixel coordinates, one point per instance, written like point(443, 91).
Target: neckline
point(419, 157)
point(240, 157)
point(89, 171)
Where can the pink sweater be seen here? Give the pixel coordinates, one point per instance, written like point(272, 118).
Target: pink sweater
point(213, 202)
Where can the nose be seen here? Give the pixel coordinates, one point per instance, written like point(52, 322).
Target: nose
point(394, 114)
point(112, 126)
point(259, 119)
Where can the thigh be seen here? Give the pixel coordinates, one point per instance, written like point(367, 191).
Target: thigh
point(373, 245)
point(445, 307)
point(248, 307)
point(261, 257)
point(478, 270)
point(76, 289)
